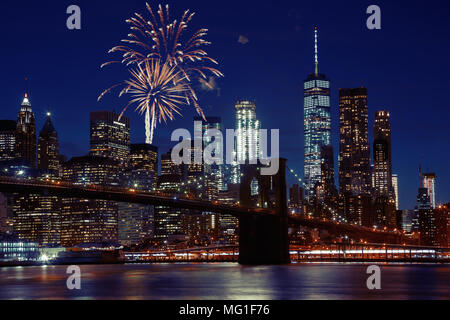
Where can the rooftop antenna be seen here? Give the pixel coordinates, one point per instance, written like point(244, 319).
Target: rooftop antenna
point(420, 172)
point(316, 51)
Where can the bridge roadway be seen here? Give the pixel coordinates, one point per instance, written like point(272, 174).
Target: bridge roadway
point(69, 190)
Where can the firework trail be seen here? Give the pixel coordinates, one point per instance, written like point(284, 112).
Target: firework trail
point(157, 89)
point(158, 39)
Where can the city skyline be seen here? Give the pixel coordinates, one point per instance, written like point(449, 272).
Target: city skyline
point(243, 154)
point(421, 148)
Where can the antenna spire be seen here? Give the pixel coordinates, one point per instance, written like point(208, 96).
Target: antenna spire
point(316, 50)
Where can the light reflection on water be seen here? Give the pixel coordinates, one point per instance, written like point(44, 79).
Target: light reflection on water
point(226, 281)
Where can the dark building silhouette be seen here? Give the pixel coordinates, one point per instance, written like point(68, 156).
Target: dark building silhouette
point(354, 155)
point(442, 218)
point(384, 194)
point(25, 142)
point(296, 198)
point(7, 139)
point(48, 148)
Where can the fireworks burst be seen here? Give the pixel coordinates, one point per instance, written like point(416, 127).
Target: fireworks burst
point(158, 39)
point(158, 89)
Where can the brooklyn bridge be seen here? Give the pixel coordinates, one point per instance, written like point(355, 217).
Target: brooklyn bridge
point(263, 230)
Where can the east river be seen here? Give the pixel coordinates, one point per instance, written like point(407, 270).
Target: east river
point(227, 281)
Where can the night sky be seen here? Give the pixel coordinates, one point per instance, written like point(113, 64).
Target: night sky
point(405, 67)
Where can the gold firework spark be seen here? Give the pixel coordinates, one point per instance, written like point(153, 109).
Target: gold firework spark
point(157, 89)
point(158, 38)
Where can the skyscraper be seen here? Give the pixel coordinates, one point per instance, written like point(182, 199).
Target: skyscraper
point(382, 154)
point(382, 171)
point(296, 196)
point(143, 166)
point(48, 148)
point(247, 128)
point(213, 171)
point(25, 142)
point(317, 124)
point(395, 186)
point(7, 139)
point(110, 137)
point(429, 182)
point(354, 154)
point(89, 220)
point(135, 221)
point(354, 150)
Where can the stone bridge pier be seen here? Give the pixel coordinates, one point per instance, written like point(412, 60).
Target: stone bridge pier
point(263, 238)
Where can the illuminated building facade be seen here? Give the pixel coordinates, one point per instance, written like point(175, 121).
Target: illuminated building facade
point(247, 128)
point(143, 166)
point(213, 171)
point(382, 154)
point(85, 220)
point(48, 148)
point(168, 167)
point(384, 193)
point(429, 182)
point(37, 218)
point(135, 221)
point(395, 187)
point(354, 155)
point(110, 137)
point(317, 125)
point(7, 139)
point(25, 141)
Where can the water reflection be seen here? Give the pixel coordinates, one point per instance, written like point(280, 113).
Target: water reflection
point(226, 281)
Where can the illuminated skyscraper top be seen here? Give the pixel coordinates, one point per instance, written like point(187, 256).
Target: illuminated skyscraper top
point(429, 182)
point(317, 122)
point(25, 144)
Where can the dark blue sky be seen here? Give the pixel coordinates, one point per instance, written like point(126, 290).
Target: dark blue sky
point(405, 67)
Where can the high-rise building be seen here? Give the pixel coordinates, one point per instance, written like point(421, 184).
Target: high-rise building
point(296, 197)
point(247, 128)
point(429, 182)
point(143, 166)
point(48, 148)
point(317, 124)
point(37, 218)
point(395, 186)
point(384, 206)
point(110, 136)
point(213, 171)
point(382, 154)
point(442, 218)
point(354, 154)
point(85, 220)
point(7, 139)
point(25, 142)
point(135, 221)
point(168, 167)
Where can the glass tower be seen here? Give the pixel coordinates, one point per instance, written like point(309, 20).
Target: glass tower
point(317, 124)
point(247, 136)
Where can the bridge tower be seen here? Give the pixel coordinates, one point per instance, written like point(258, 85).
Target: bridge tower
point(263, 239)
